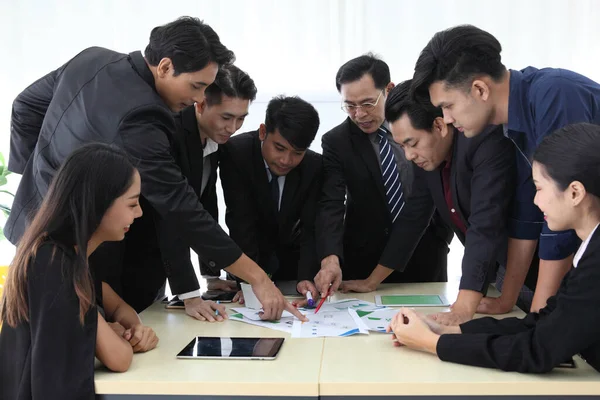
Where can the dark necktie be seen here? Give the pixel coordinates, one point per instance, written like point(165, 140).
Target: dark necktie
point(275, 190)
point(390, 175)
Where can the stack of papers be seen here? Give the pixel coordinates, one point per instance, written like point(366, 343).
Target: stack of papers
point(339, 318)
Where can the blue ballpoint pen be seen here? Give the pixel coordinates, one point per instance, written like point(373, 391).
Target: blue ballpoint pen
point(217, 311)
point(309, 299)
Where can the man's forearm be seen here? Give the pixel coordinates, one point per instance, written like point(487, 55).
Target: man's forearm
point(246, 269)
point(550, 275)
point(379, 274)
point(467, 302)
point(520, 254)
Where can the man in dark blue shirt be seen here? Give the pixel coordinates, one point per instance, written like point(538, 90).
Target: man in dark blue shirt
point(460, 70)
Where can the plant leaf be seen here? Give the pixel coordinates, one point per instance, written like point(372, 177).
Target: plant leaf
point(3, 180)
point(7, 192)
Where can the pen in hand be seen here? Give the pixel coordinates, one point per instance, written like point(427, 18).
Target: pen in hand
point(309, 299)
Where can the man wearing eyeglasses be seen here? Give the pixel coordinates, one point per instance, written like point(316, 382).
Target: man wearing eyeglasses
point(366, 225)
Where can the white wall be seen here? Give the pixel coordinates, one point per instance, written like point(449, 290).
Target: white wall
point(295, 47)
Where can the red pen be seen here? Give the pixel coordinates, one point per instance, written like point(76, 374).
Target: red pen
point(323, 300)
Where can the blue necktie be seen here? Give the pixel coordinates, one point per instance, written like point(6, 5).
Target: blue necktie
point(391, 176)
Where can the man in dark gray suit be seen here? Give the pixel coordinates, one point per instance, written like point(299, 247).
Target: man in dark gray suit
point(128, 100)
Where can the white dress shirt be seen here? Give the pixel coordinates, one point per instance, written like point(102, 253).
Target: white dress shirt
point(583, 247)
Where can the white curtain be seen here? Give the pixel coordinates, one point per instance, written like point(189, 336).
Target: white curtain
point(294, 47)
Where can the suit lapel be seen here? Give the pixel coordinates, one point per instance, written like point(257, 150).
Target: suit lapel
point(292, 181)
point(456, 154)
point(362, 145)
point(194, 149)
point(261, 182)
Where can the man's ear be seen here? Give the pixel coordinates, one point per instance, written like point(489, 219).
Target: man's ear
point(389, 88)
point(200, 107)
point(262, 132)
point(164, 67)
point(439, 126)
point(480, 89)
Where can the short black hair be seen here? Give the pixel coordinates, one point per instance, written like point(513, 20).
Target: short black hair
point(189, 43)
point(354, 69)
point(456, 56)
point(231, 82)
point(295, 119)
point(572, 153)
point(399, 102)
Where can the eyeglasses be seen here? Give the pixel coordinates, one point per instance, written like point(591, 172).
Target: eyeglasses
point(349, 108)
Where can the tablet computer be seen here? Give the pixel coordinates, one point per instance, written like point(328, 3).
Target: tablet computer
point(232, 348)
point(412, 300)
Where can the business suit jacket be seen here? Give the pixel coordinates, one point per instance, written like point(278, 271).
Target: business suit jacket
point(354, 221)
point(482, 184)
point(187, 150)
point(104, 96)
point(568, 325)
point(252, 216)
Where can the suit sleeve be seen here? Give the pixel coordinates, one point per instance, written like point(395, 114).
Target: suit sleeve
point(410, 225)
point(308, 264)
point(565, 331)
point(145, 134)
point(492, 188)
point(241, 215)
point(331, 207)
point(28, 112)
point(60, 346)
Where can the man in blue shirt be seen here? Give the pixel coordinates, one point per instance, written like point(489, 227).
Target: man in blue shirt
point(460, 70)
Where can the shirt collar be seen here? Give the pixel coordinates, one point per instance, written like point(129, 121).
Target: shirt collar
point(583, 247)
point(141, 67)
point(518, 100)
point(210, 147)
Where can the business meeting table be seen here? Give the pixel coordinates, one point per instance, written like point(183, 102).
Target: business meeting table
point(357, 367)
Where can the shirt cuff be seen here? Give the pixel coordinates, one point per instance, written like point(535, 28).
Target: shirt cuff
point(189, 295)
point(525, 230)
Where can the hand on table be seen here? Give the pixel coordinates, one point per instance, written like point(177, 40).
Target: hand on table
point(359, 286)
point(142, 338)
point(204, 310)
point(411, 330)
point(495, 305)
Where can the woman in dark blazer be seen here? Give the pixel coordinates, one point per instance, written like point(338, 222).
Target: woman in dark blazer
point(566, 173)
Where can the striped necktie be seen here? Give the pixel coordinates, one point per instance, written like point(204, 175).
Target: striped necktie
point(391, 176)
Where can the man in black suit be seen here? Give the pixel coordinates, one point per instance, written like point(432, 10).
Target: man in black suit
point(370, 198)
point(201, 129)
point(271, 184)
point(128, 100)
point(472, 183)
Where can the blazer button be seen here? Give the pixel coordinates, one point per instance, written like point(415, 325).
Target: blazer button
point(452, 210)
point(386, 231)
point(211, 263)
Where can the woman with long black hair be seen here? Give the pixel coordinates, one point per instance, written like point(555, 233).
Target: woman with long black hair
point(51, 308)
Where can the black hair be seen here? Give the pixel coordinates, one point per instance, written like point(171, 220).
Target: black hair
point(295, 119)
point(231, 82)
point(83, 189)
point(356, 68)
point(572, 153)
point(189, 43)
point(456, 56)
point(399, 102)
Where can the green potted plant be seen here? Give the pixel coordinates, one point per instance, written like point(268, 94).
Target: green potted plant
point(4, 212)
point(4, 207)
